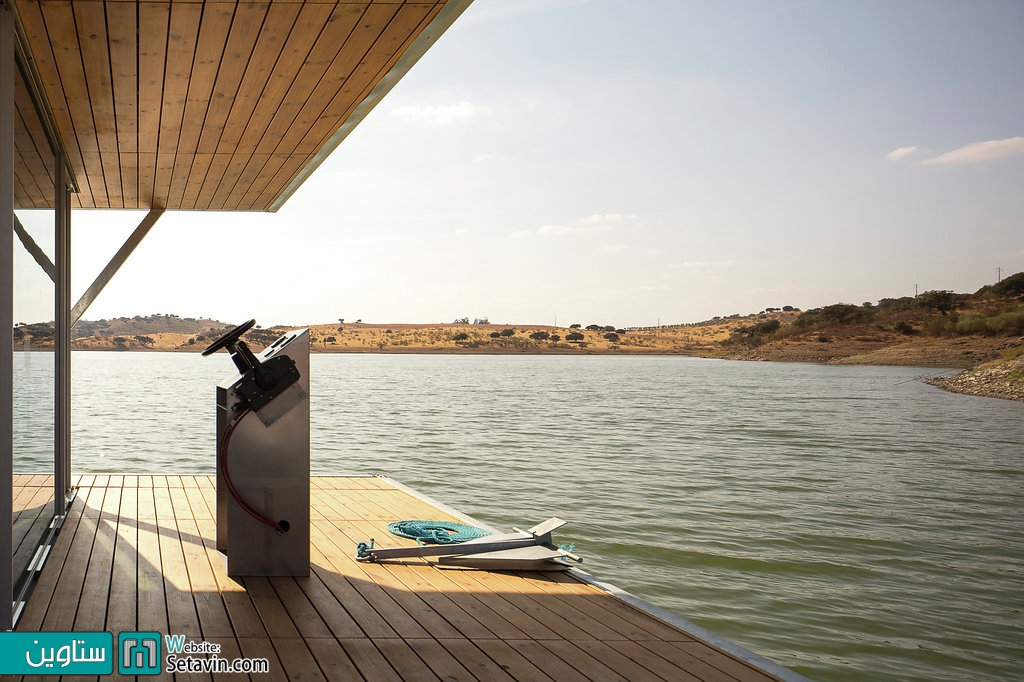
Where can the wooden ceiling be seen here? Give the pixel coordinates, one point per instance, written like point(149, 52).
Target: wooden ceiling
point(203, 105)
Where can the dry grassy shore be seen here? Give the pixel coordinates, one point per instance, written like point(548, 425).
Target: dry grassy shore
point(996, 360)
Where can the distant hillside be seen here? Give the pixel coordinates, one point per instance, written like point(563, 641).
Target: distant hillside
point(936, 328)
point(151, 324)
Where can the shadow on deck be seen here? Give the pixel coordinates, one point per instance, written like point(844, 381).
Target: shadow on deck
point(137, 553)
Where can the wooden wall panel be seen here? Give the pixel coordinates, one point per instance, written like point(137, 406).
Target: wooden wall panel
point(202, 104)
point(245, 28)
point(183, 32)
point(290, 166)
point(154, 18)
point(366, 75)
point(319, 66)
point(130, 177)
point(122, 18)
point(216, 22)
point(272, 69)
point(259, 172)
point(298, 55)
point(201, 164)
point(63, 40)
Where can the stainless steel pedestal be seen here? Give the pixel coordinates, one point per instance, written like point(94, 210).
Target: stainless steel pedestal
point(268, 461)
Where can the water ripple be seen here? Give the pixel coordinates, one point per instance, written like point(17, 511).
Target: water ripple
point(844, 521)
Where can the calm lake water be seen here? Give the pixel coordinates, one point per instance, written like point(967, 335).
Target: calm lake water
point(851, 523)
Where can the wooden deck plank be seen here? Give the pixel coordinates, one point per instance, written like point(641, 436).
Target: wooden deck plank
point(597, 628)
point(625, 618)
point(409, 666)
point(152, 609)
point(92, 605)
point(261, 647)
point(296, 659)
point(510, 660)
point(331, 611)
point(440, 660)
point(122, 602)
point(302, 613)
point(475, 660)
point(368, 660)
point(68, 591)
point(49, 579)
point(588, 666)
point(410, 601)
point(396, 617)
point(332, 659)
point(245, 619)
point(554, 666)
point(197, 501)
point(230, 650)
point(269, 607)
point(466, 614)
point(618, 662)
point(666, 668)
point(701, 655)
point(213, 616)
point(181, 609)
point(369, 620)
point(139, 552)
point(500, 604)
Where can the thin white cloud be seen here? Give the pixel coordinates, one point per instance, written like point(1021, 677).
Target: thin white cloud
point(599, 219)
point(557, 230)
point(901, 153)
point(696, 268)
point(433, 115)
point(703, 264)
point(503, 12)
point(978, 152)
point(596, 222)
point(614, 248)
point(520, 234)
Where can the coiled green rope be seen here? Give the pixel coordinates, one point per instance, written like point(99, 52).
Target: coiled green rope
point(437, 532)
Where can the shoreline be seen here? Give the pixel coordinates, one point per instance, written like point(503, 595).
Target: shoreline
point(992, 365)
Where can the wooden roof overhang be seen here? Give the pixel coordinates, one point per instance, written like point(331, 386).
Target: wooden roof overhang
point(202, 104)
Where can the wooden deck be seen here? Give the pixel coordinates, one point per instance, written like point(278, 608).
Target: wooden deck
point(138, 553)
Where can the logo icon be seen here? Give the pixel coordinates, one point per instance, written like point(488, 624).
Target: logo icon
point(138, 653)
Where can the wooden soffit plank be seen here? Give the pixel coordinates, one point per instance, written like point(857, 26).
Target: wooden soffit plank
point(207, 104)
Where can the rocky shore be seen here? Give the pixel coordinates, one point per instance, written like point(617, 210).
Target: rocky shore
point(1002, 379)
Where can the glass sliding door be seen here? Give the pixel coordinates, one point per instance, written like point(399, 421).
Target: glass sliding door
point(34, 394)
point(34, 366)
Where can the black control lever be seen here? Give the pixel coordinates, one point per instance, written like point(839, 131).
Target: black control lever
point(269, 379)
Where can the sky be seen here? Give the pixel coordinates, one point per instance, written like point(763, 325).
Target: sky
point(629, 163)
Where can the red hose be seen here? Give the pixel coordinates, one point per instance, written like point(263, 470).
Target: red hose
point(222, 458)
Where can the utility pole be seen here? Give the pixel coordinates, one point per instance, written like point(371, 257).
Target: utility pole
point(999, 275)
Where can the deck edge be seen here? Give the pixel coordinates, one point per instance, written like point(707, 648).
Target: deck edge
point(751, 658)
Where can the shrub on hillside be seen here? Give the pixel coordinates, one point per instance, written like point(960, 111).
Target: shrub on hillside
point(837, 313)
point(903, 327)
point(1011, 286)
